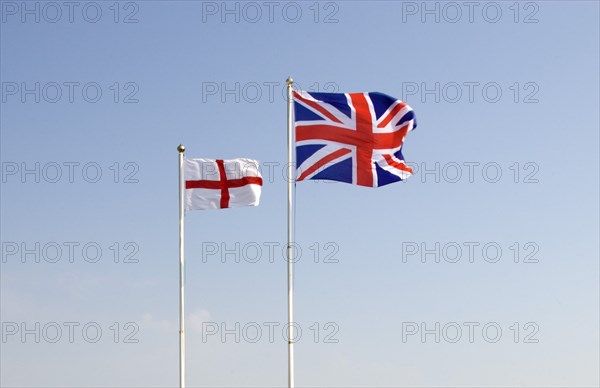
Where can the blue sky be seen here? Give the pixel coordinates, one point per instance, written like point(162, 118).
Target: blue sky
point(96, 96)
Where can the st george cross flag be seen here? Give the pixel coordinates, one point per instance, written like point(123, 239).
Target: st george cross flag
point(220, 184)
point(351, 137)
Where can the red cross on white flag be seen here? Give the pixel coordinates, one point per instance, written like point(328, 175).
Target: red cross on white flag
point(220, 184)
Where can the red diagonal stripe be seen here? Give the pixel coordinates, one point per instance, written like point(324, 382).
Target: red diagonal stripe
point(398, 165)
point(322, 162)
point(391, 115)
point(317, 107)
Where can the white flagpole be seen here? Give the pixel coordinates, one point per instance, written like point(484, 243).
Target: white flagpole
point(181, 150)
point(290, 236)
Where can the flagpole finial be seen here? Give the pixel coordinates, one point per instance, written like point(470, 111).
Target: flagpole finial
point(290, 80)
point(181, 148)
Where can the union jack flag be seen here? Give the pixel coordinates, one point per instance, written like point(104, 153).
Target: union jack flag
point(351, 137)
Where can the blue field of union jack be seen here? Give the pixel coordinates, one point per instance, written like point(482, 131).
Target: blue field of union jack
point(351, 137)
